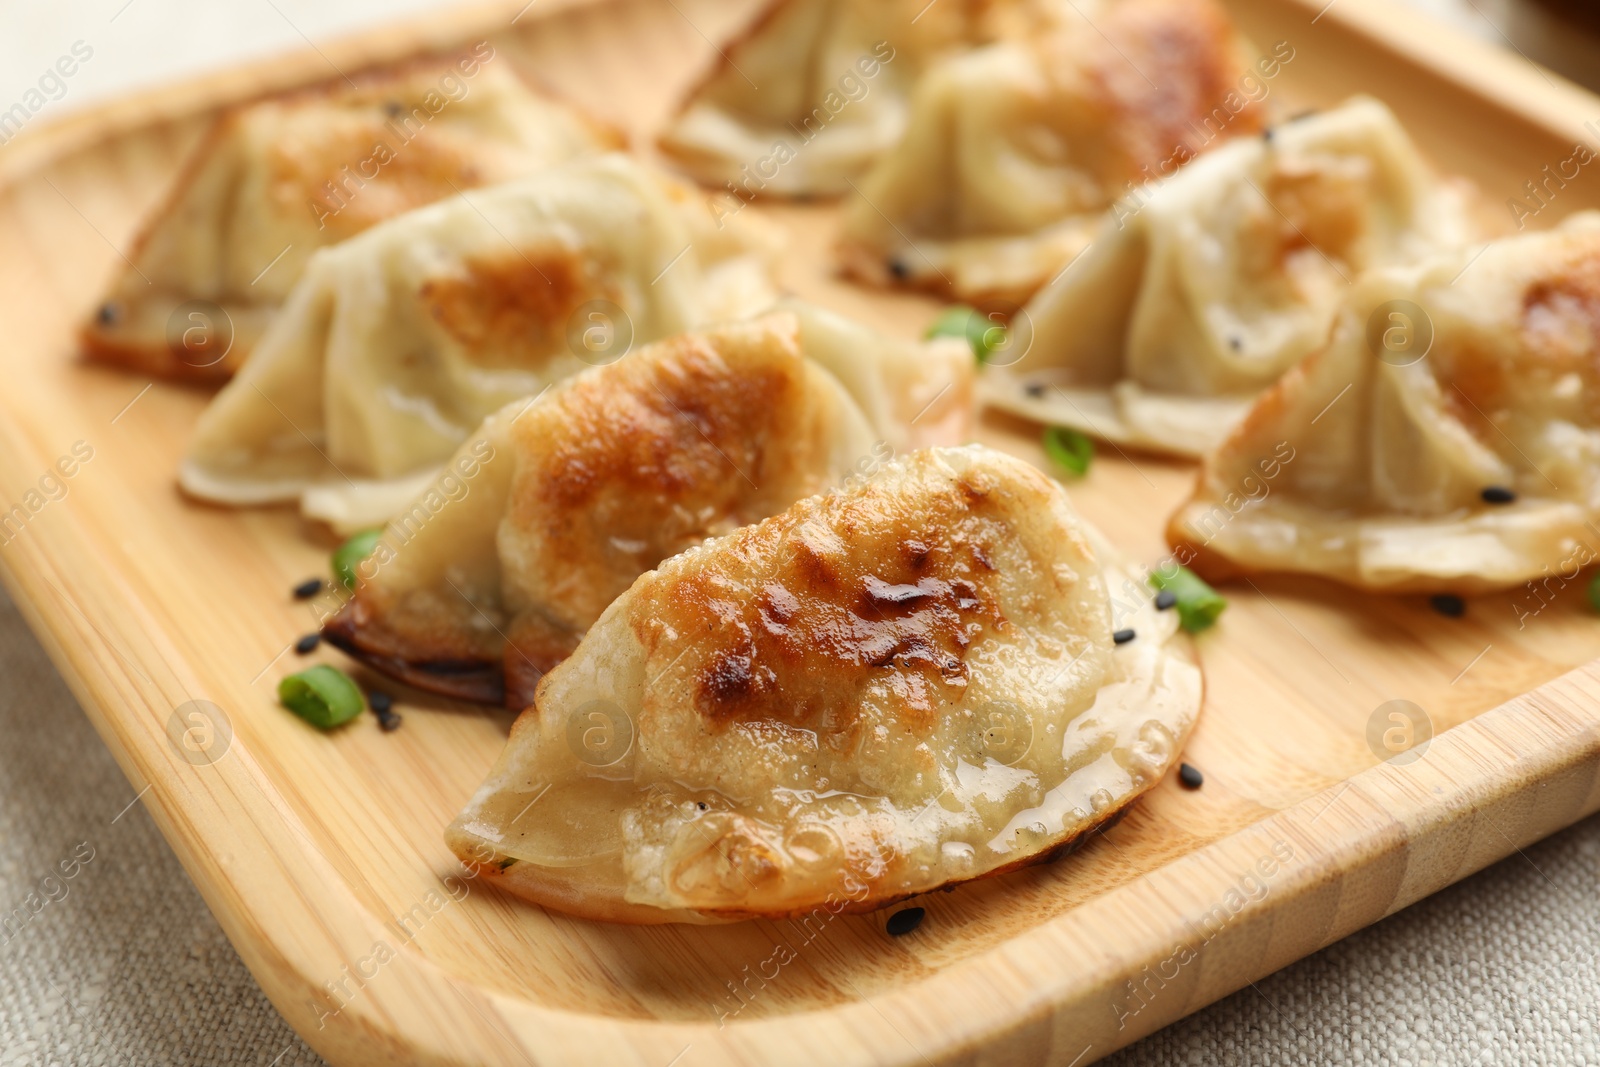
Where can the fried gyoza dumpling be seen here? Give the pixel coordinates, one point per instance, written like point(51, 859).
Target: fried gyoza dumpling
point(1014, 150)
point(1224, 276)
point(1446, 439)
point(907, 683)
point(815, 90)
point(914, 393)
point(559, 504)
point(399, 342)
point(275, 181)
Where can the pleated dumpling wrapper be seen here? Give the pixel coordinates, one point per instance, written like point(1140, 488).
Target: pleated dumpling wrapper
point(1014, 150)
point(814, 91)
point(274, 181)
point(915, 394)
point(904, 684)
point(556, 505)
point(1446, 440)
point(399, 342)
point(1202, 292)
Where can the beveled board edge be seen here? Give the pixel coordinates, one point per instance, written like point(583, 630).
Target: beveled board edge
point(1355, 853)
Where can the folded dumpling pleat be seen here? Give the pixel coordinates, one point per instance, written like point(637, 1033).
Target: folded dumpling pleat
point(915, 394)
point(1446, 439)
point(559, 502)
point(1013, 150)
point(399, 342)
point(1199, 294)
point(907, 683)
point(276, 180)
point(814, 91)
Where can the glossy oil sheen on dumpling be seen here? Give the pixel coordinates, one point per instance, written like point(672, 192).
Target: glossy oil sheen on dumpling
point(276, 180)
point(1014, 150)
point(399, 342)
point(904, 684)
point(1200, 293)
point(1468, 373)
point(814, 91)
point(573, 495)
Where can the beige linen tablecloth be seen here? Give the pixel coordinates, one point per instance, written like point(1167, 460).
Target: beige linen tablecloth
point(123, 964)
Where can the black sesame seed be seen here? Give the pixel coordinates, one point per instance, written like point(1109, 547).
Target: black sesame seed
point(308, 644)
point(1498, 494)
point(1122, 637)
point(1448, 604)
point(379, 701)
point(898, 268)
point(1034, 389)
point(1235, 344)
point(389, 721)
point(904, 921)
point(308, 589)
point(702, 805)
point(1266, 135)
point(108, 313)
point(1166, 599)
point(1189, 776)
point(394, 107)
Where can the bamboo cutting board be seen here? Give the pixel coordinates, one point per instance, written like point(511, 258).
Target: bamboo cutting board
point(321, 854)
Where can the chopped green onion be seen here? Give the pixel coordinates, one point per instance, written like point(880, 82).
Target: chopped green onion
point(323, 696)
point(1198, 604)
point(1069, 449)
point(983, 334)
point(348, 556)
point(1594, 592)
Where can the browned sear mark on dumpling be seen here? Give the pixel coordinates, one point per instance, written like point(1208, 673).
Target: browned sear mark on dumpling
point(614, 472)
point(897, 613)
point(1558, 334)
point(512, 309)
point(1177, 111)
point(352, 170)
point(421, 647)
point(1561, 316)
point(659, 439)
point(652, 461)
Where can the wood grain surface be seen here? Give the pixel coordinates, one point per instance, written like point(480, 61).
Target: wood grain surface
point(321, 854)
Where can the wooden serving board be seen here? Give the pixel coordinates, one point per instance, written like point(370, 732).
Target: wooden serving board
point(321, 854)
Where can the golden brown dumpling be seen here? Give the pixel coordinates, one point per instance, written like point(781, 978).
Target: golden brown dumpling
point(906, 683)
point(400, 341)
point(815, 90)
point(1446, 439)
point(1014, 150)
point(1198, 296)
point(557, 504)
point(276, 180)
